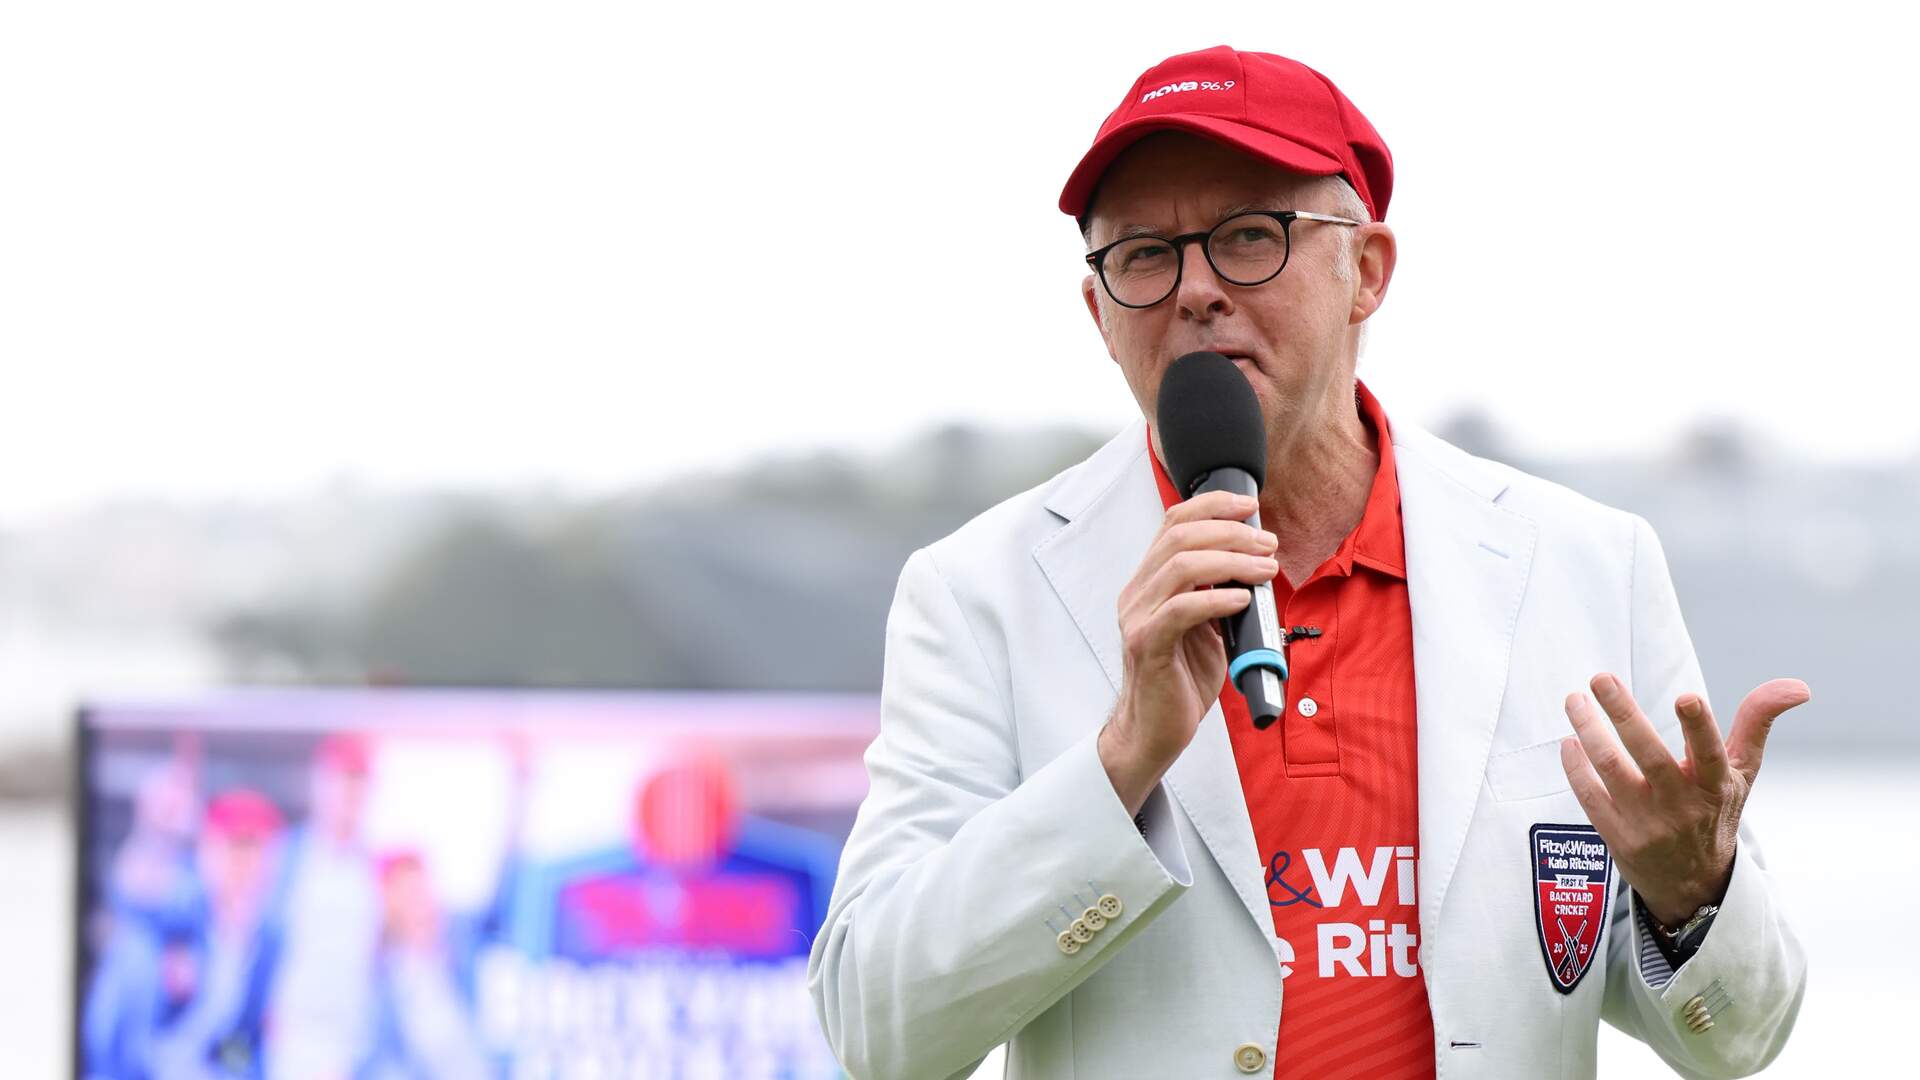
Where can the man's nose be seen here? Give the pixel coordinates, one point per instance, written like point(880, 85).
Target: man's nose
point(1201, 295)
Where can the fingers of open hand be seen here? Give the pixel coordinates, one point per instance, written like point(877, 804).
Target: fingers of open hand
point(1754, 719)
point(1601, 748)
point(1704, 748)
point(1636, 732)
point(1587, 786)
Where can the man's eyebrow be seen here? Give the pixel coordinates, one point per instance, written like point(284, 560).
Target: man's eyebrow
point(1282, 201)
point(1132, 229)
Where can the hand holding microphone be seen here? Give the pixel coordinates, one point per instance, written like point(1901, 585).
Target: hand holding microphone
point(1175, 657)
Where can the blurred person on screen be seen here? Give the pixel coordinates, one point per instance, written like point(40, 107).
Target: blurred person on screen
point(152, 879)
point(192, 1008)
point(423, 985)
point(425, 974)
point(154, 909)
point(329, 911)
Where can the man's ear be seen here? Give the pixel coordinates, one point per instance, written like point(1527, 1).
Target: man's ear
point(1374, 261)
point(1089, 287)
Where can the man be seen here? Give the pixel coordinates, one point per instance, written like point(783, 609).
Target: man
point(156, 906)
point(423, 986)
point(189, 1005)
point(329, 906)
point(1446, 857)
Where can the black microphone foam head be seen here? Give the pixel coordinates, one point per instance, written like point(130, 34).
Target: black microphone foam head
point(1209, 418)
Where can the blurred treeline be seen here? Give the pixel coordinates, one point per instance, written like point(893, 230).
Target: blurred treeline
point(777, 575)
point(773, 576)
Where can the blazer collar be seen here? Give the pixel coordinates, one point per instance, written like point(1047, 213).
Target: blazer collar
point(1468, 560)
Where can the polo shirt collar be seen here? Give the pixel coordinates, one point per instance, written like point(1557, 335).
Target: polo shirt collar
point(1377, 541)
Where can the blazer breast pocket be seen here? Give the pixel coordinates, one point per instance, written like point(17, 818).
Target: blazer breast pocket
point(1532, 772)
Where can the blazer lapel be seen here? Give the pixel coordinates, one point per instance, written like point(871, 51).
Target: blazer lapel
point(1467, 564)
point(1113, 511)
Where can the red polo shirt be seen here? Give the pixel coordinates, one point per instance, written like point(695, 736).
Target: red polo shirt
point(1335, 807)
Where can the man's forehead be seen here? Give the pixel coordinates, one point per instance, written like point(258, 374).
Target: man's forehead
point(1212, 210)
point(1153, 181)
point(1161, 211)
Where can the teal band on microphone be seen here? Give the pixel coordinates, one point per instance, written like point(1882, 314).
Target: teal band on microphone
point(1256, 658)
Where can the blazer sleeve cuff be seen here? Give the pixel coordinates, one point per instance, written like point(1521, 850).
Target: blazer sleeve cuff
point(1143, 855)
point(1732, 1003)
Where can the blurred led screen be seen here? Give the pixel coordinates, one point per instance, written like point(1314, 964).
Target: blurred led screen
point(417, 883)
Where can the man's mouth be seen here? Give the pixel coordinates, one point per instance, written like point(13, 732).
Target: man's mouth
point(1241, 359)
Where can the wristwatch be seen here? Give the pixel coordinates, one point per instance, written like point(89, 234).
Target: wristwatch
point(1686, 938)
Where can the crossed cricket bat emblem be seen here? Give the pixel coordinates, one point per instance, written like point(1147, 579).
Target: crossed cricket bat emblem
point(1569, 967)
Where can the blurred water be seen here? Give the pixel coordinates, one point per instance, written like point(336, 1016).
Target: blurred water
point(1835, 829)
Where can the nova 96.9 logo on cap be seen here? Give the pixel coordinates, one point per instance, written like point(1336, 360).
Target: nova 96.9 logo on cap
point(1182, 87)
point(1571, 871)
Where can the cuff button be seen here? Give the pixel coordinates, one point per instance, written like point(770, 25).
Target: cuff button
point(1067, 944)
point(1109, 906)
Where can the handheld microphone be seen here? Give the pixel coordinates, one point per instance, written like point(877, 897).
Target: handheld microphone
point(1215, 438)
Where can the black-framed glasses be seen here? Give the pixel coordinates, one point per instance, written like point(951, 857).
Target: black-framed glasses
point(1250, 248)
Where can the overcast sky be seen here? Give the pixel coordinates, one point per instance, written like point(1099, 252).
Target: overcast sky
point(247, 248)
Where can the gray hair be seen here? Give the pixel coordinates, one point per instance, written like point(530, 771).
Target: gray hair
point(1347, 203)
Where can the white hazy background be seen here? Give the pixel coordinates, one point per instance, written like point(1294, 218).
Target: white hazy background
point(252, 249)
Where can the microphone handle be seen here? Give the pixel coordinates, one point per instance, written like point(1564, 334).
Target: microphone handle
point(1256, 651)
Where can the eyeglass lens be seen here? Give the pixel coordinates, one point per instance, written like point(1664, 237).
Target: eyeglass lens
point(1245, 250)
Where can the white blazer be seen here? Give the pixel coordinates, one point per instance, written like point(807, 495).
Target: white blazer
point(990, 822)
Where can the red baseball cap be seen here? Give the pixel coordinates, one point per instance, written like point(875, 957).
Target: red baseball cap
point(1274, 108)
point(242, 814)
